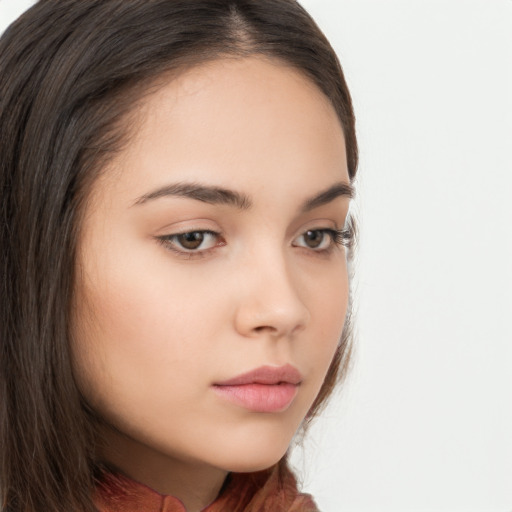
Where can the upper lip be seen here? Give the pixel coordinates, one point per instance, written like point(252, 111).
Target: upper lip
point(266, 375)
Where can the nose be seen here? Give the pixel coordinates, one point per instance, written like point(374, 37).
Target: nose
point(269, 303)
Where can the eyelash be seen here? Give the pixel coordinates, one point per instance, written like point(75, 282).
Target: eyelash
point(339, 238)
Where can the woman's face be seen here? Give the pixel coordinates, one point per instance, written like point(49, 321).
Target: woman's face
point(208, 251)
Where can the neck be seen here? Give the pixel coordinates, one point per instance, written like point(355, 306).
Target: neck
point(196, 484)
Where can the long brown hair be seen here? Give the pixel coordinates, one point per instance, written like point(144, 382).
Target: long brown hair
point(70, 72)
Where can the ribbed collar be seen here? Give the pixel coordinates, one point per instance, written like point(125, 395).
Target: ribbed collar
point(268, 490)
point(119, 493)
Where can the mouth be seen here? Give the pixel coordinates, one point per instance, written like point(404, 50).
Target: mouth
point(267, 389)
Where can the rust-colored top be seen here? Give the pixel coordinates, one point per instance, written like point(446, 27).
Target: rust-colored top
point(273, 490)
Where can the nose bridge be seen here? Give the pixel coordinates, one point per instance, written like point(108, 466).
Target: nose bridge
point(271, 299)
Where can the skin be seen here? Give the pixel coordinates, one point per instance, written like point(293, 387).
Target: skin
point(156, 326)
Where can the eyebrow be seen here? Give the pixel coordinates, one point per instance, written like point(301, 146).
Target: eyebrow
point(204, 193)
point(218, 195)
point(340, 189)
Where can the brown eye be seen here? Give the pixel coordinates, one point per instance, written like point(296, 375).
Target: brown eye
point(191, 240)
point(318, 240)
point(314, 238)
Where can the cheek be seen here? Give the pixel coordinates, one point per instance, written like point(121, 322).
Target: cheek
point(133, 325)
point(328, 307)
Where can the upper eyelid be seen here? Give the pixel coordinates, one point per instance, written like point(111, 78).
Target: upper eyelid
point(180, 233)
point(186, 231)
point(218, 233)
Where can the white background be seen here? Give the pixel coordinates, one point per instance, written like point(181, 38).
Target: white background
point(424, 422)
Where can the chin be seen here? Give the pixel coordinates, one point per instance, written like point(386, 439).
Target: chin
point(254, 441)
point(252, 465)
point(254, 456)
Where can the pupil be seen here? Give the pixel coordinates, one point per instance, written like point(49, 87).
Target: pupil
point(191, 240)
point(314, 238)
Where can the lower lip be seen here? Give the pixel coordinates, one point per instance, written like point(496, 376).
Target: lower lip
point(260, 397)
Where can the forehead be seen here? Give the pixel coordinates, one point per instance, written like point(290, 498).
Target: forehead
point(235, 122)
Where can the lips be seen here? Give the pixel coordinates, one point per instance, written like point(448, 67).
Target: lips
point(266, 389)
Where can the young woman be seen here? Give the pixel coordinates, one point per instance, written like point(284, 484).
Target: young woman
point(176, 178)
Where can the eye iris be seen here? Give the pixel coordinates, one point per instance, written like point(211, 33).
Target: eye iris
point(191, 240)
point(313, 238)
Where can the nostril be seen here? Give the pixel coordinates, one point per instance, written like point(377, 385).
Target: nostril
point(265, 328)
